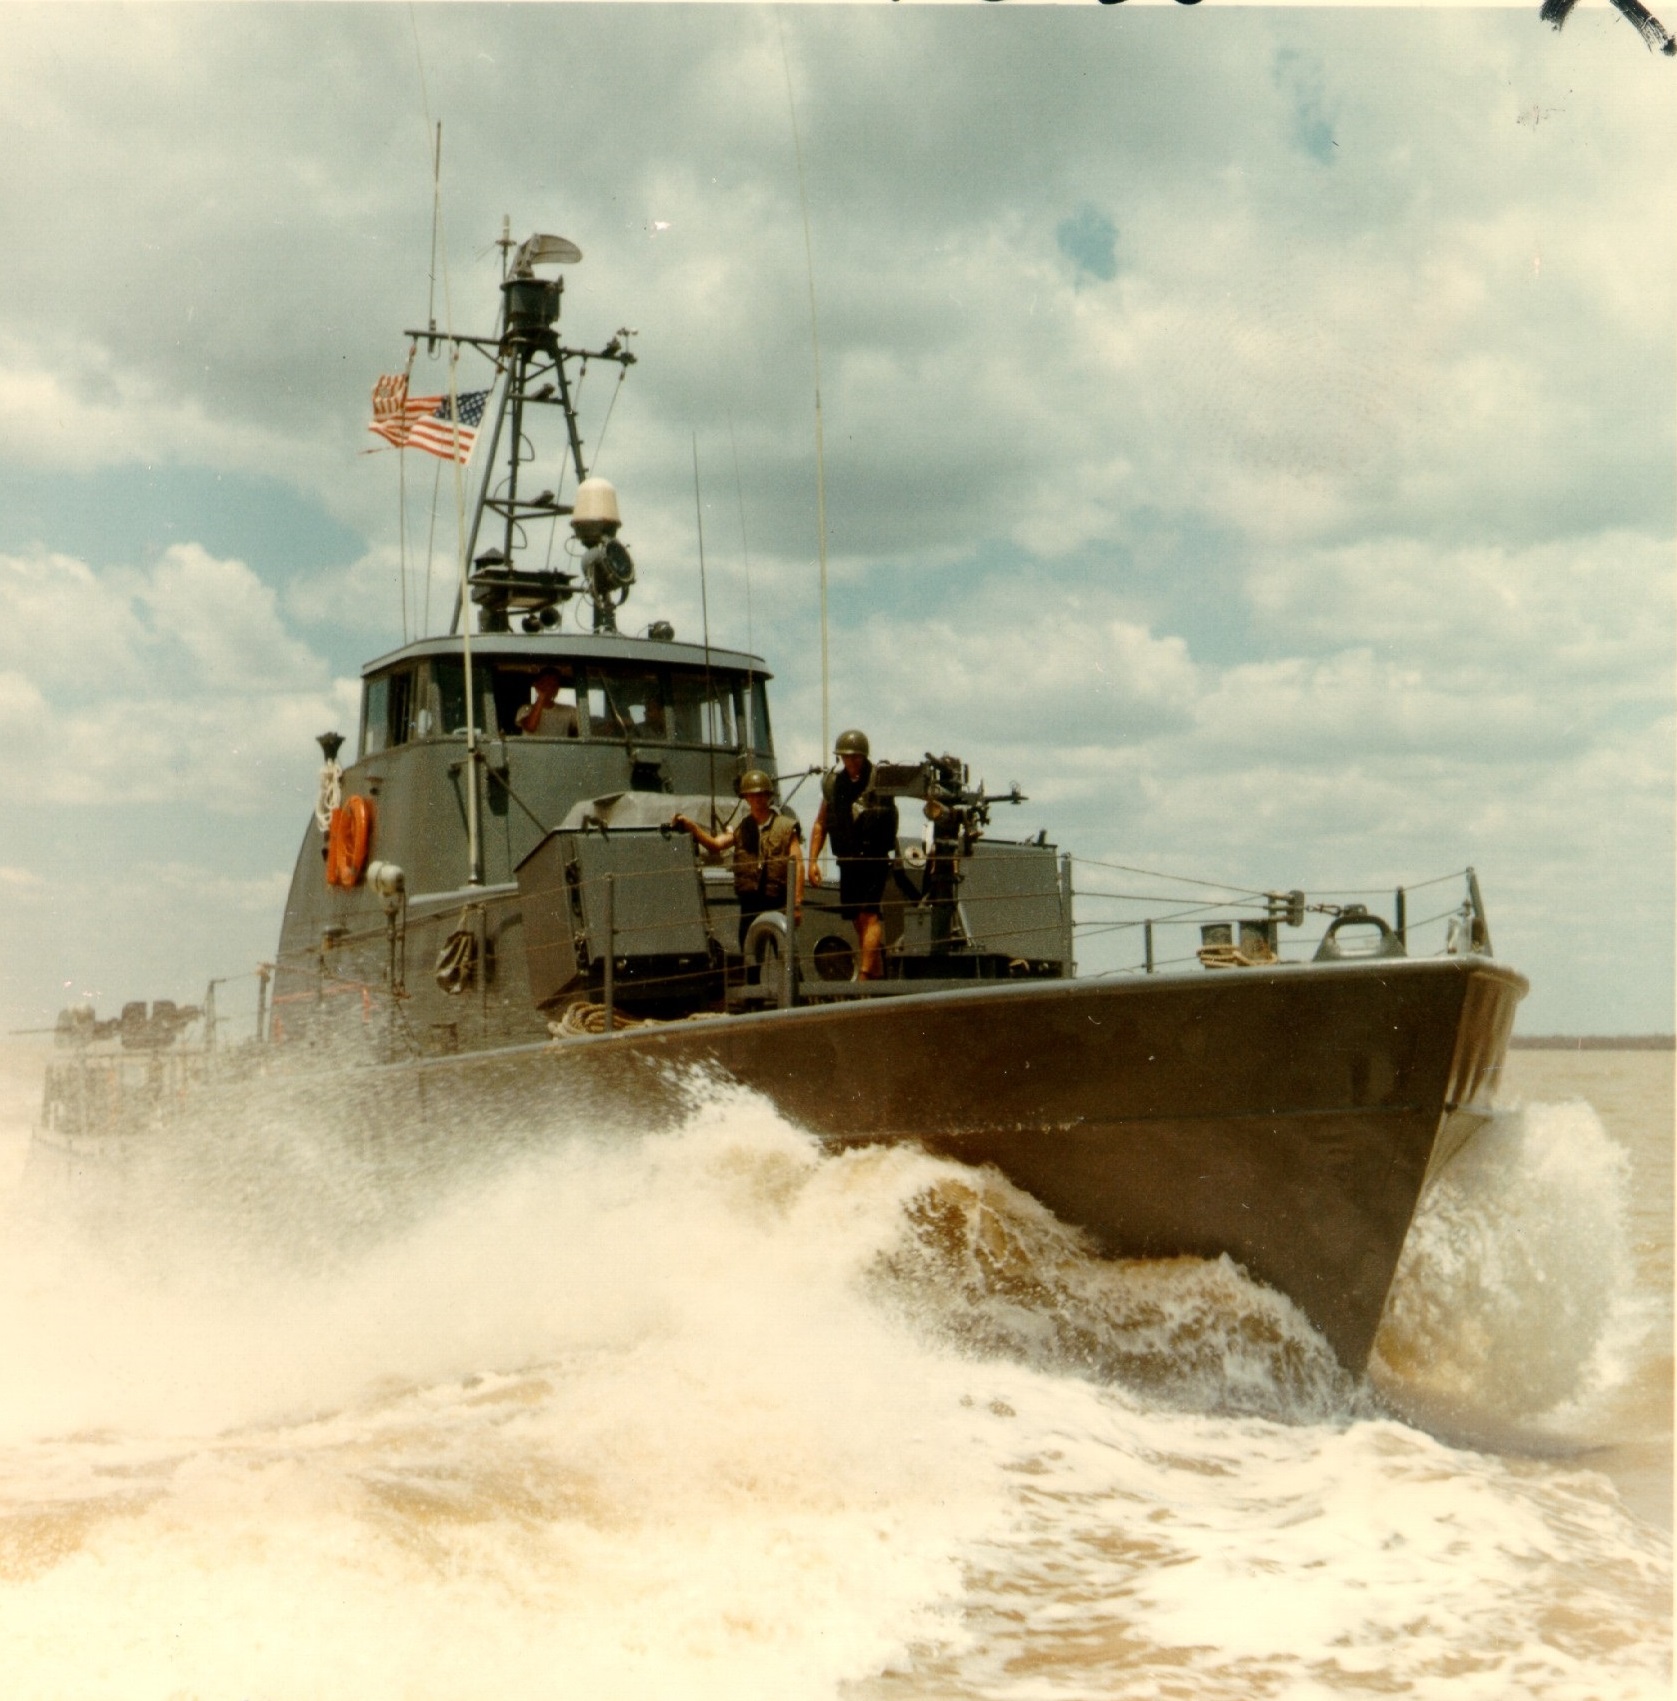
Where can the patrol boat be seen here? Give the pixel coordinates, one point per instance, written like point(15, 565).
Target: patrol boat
point(492, 916)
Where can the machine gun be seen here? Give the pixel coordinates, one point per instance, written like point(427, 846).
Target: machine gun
point(957, 813)
point(956, 817)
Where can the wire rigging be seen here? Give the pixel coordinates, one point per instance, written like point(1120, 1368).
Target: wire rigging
point(1185, 879)
point(710, 707)
point(600, 444)
point(436, 195)
point(431, 544)
point(745, 546)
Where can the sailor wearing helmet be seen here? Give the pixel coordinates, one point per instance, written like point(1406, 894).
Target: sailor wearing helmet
point(864, 838)
point(766, 850)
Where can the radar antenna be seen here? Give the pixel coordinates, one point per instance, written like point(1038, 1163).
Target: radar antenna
point(543, 251)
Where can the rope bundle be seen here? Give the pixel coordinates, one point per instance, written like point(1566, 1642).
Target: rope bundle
point(583, 1018)
point(1232, 957)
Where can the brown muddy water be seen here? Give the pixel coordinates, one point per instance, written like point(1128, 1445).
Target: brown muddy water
point(712, 1414)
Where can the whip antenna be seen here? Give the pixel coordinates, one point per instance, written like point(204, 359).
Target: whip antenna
point(436, 214)
point(745, 545)
point(745, 739)
point(815, 343)
point(431, 345)
point(474, 876)
point(704, 614)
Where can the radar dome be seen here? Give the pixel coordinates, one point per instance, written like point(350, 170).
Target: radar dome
point(595, 508)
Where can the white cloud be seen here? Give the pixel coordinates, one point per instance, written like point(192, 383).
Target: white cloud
point(1082, 671)
point(1341, 512)
point(378, 587)
point(65, 627)
point(1322, 713)
point(82, 407)
point(228, 622)
point(1509, 709)
point(178, 683)
point(1290, 347)
point(1594, 609)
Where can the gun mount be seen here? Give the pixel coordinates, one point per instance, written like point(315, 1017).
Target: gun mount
point(957, 814)
point(78, 1027)
point(939, 924)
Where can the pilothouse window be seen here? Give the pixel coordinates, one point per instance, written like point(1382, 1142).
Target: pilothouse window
point(387, 712)
point(762, 739)
point(375, 711)
point(536, 700)
point(447, 696)
point(401, 704)
point(705, 712)
point(628, 705)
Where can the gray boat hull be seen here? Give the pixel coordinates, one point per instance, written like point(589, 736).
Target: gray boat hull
point(1288, 1117)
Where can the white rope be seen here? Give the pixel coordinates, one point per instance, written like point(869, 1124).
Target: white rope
point(1235, 956)
point(583, 1018)
point(331, 795)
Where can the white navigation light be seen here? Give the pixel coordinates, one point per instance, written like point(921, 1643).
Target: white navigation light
point(391, 884)
point(543, 251)
point(386, 878)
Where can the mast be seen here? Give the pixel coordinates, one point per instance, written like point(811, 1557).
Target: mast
point(534, 369)
point(531, 366)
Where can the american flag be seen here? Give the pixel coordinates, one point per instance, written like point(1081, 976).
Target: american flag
point(424, 422)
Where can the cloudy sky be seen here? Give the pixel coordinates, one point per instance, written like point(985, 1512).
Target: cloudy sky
point(1250, 430)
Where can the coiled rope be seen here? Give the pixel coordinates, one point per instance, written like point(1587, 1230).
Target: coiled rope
point(583, 1018)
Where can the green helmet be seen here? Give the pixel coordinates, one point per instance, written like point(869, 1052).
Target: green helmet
point(755, 779)
point(851, 743)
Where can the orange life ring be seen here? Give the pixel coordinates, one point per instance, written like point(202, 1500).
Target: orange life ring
point(347, 841)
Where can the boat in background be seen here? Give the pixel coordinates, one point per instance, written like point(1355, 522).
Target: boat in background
point(491, 918)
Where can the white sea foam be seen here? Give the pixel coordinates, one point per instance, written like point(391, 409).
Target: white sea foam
point(712, 1414)
point(1184, 1555)
point(616, 1423)
point(1514, 1308)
